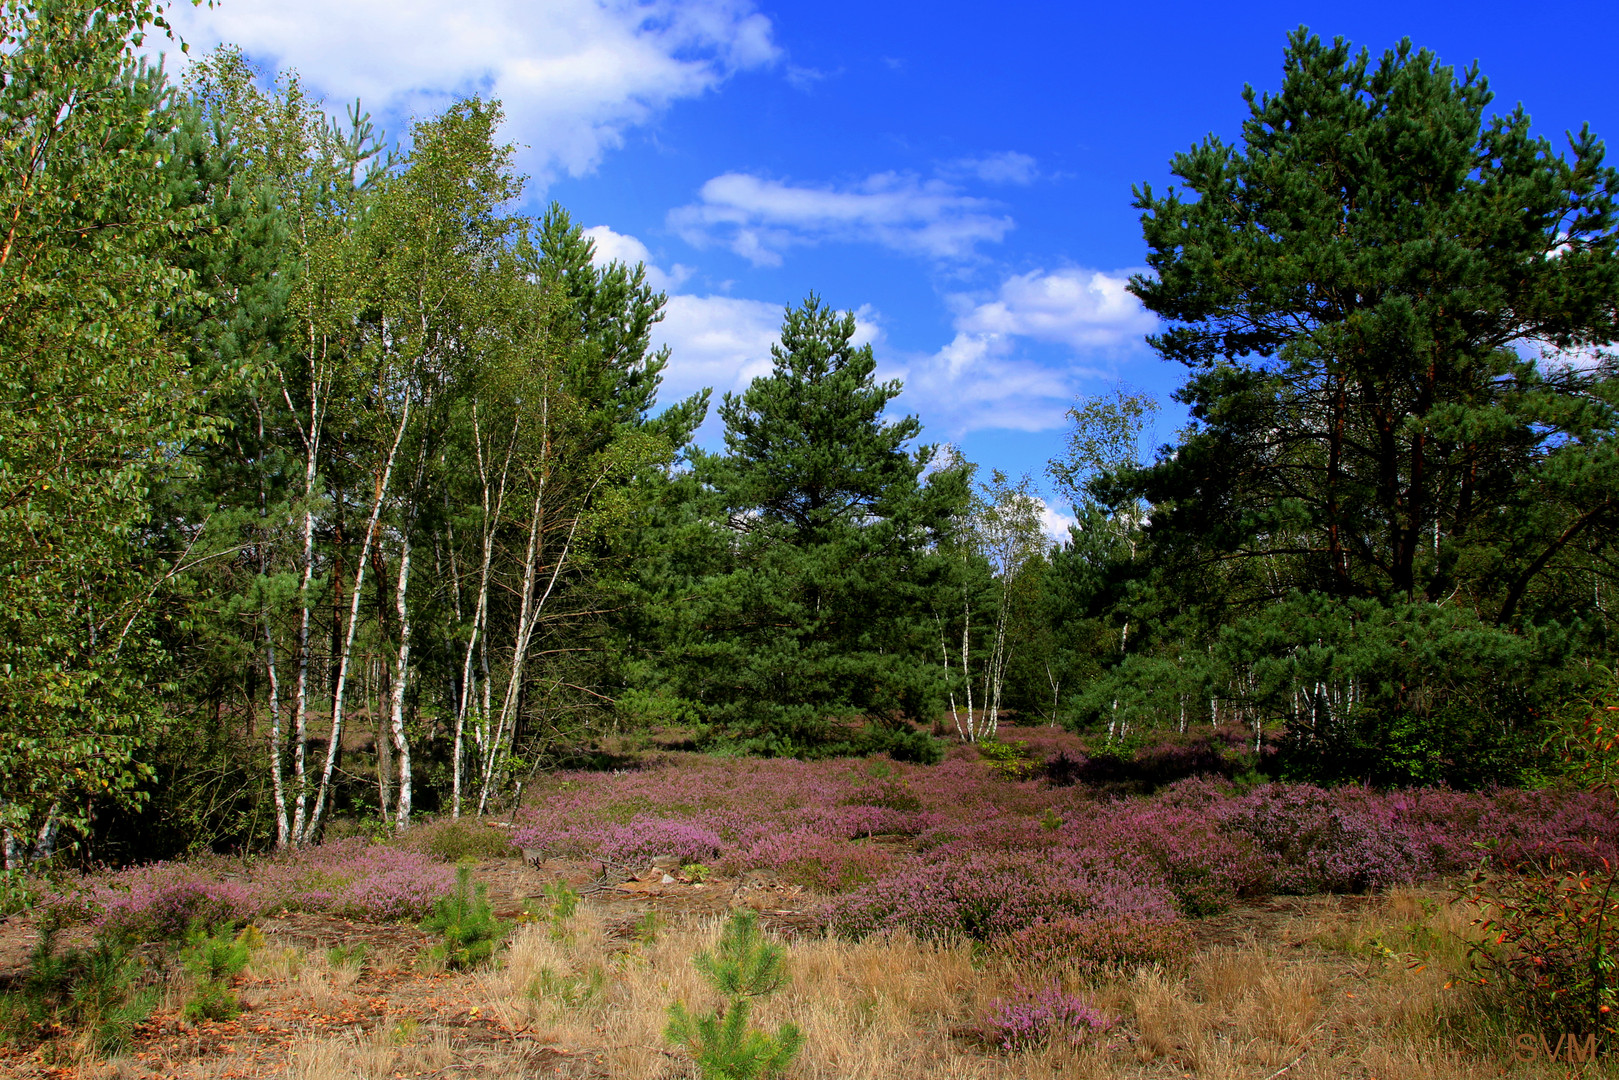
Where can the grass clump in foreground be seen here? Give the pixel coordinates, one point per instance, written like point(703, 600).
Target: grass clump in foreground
point(722, 1043)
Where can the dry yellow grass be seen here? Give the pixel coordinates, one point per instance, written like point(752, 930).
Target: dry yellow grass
point(1337, 988)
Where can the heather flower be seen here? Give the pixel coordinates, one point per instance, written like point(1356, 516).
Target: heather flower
point(989, 894)
point(1034, 1017)
point(811, 859)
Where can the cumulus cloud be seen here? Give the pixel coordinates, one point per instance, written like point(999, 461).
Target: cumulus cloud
point(613, 246)
point(1054, 522)
point(718, 341)
point(982, 380)
point(574, 75)
point(724, 341)
point(1080, 308)
point(715, 341)
point(760, 219)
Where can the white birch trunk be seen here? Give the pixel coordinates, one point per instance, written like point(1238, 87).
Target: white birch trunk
point(277, 779)
point(491, 521)
point(525, 629)
point(300, 705)
point(955, 717)
point(966, 666)
point(313, 825)
point(400, 679)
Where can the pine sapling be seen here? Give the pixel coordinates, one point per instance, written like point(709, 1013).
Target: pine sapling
point(722, 1043)
point(467, 923)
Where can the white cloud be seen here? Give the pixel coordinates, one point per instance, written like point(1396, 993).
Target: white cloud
point(759, 219)
point(574, 75)
point(618, 247)
point(718, 341)
point(1006, 167)
point(1080, 308)
point(979, 380)
point(1054, 522)
point(714, 341)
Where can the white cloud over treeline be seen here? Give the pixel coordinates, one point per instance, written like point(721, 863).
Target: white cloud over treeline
point(574, 75)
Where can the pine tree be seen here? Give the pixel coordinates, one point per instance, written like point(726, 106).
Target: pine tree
point(1392, 518)
point(814, 612)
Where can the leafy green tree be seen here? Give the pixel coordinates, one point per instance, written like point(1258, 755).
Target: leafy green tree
point(1359, 288)
point(112, 205)
point(1350, 289)
point(814, 608)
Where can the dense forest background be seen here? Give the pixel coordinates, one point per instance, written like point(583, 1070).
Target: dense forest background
point(331, 487)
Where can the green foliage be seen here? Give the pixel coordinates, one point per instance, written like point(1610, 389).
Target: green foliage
point(792, 584)
point(348, 956)
point(112, 201)
point(724, 1047)
point(1549, 949)
point(93, 990)
point(721, 1043)
point(18, 891)
point(459, 839)
point(564, 899)
point(746, 965)
point(571, 991)
point(466, 922)
point(1387, 529)
point(1010, 760)
point(211, 959)
point(1550, 940)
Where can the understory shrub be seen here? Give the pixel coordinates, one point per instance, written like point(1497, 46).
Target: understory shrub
point(1550, 927)
point(212, 960)
point(1548, 948)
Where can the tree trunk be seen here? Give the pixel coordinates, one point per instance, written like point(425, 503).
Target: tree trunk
point(400, 679)
point(332, 747)
point(277, 780)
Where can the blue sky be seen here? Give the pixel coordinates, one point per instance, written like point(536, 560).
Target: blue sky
point(958, 174)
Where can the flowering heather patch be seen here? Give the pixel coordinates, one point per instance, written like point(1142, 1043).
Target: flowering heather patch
point(1317, 841)
point(159, 901)
point(161, 911)
point(376, 883)
point(1034, 1017)
point(1205, 867)
point(811, 859)
point(644, 839)
point(989, 894)
point(1045, 872)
